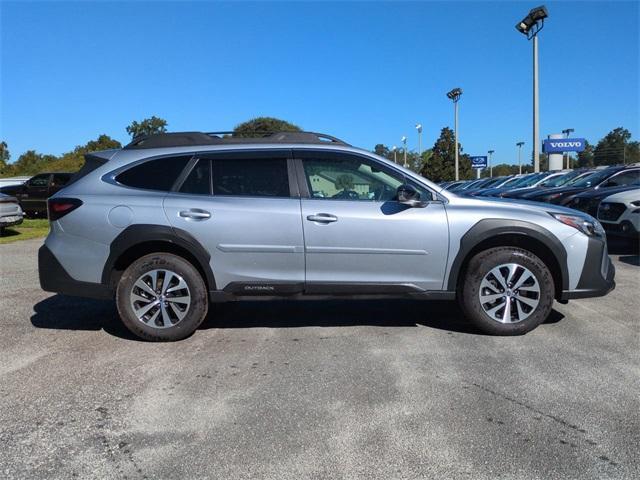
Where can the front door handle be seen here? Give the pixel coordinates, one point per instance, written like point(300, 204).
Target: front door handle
point(195, 214)
point(322, 218)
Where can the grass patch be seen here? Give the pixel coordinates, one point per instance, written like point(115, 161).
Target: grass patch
point(35, 228)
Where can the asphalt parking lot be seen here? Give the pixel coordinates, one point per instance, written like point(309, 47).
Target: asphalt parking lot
point(385, 389)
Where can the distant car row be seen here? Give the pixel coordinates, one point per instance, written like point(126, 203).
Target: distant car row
point(612, 194)
point(32, 192)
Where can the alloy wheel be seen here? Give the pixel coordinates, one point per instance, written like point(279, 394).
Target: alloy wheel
point(509, 293)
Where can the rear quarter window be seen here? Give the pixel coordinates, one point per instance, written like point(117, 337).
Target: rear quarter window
point(158, 174)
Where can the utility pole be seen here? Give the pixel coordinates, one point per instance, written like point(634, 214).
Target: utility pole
point(394, 149)
point(568, 132)
point(530, 26)
point(490, 152)
point(454, 95)
point(520, 144)
point(404, 147)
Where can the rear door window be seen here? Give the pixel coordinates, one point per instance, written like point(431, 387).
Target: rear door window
point(198, 181)
point(158, 174)
point(251, 177)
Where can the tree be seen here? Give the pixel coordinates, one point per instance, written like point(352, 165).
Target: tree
point(74, 160)
point(585, 157)
point(612, 148)
point(382, 150)
point(148, 126)
point(441, 164)
point(263, 125)
point(4, 156)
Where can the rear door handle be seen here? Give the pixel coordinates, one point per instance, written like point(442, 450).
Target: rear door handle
point(322, 218)
point(195, 214)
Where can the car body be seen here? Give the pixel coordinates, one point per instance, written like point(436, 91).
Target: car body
point(620, 213)
point(589, 201)
point(33, 194)
point(521, 181)
point(488, 183)
point(13, 181)
point(613, 176)
point(558, 179)
point(10, 211)
point(293, 215)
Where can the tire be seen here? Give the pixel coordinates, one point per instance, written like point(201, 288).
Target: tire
point(162, 316)
point(483, 272)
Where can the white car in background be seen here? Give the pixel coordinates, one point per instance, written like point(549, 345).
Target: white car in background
point(10, 212)
point(620, 213)
point(11, 181)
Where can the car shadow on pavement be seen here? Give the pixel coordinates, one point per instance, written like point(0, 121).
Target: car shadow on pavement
point(629, 251)
point(61, 312)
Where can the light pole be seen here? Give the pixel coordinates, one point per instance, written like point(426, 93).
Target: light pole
point(404, 147)
point(568, 132)
point(520, 144)
point(530, 26)
point(419, 128)
point(454, 95)
point(394, 149)
point(490, 152)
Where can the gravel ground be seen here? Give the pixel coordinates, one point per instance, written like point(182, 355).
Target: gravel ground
point(277, 390)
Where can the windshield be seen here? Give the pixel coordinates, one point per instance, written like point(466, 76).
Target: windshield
point(593, 179)
point(558, 180)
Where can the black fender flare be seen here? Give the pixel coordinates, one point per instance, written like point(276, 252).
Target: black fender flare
point(489, 228)
point(141, 233)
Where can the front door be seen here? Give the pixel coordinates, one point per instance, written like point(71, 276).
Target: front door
point(358, 238)
point(242, 209)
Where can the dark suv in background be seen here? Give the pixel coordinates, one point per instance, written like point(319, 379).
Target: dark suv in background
point(33, 194)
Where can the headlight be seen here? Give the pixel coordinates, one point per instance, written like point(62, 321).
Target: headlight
point(636, 203)
point(591, 228)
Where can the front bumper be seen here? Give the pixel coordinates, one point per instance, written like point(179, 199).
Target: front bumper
point(11, 220)
point(622, 229)
point(54, 278)
point(598, 273)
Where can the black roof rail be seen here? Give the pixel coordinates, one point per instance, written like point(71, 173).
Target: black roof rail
point(187, 139)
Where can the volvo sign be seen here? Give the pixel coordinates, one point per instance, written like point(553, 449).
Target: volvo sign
point(559, 145)
point(479, 162)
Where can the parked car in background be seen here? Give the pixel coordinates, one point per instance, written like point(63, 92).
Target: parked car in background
point(13, 181)
point(620, 214)
point(488, 183)
point(614, 176)
point(557, 180)
point(589, 201)
point(10, 212)
point(525, 180)
point(173, 221)
point(33, 194)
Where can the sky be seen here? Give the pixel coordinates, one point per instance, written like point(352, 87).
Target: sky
point(366, 72)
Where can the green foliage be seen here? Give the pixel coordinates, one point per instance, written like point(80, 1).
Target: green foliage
point(612, 148)
point(4, 156)
point(148, 126)
point(32, 162)
point(440, 166)
point(586, 158)
point(261, 125)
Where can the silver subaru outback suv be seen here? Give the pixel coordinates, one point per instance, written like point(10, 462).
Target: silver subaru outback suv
point(174, 221)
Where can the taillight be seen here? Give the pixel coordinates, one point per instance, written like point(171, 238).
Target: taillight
point(59, 207)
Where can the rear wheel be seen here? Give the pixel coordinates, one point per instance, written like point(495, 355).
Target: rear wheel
point(507, 291)
point(162, 297)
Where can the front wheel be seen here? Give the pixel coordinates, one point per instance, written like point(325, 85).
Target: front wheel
point(162, 297)
point(506, 291)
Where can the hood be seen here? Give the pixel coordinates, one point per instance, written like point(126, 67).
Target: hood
point(604, 192)
point(519, 204)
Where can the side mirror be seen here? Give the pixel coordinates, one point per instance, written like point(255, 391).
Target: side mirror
point(409, 196)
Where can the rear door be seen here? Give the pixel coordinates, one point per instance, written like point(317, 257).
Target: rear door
point(358, 238)
point(244, 208)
